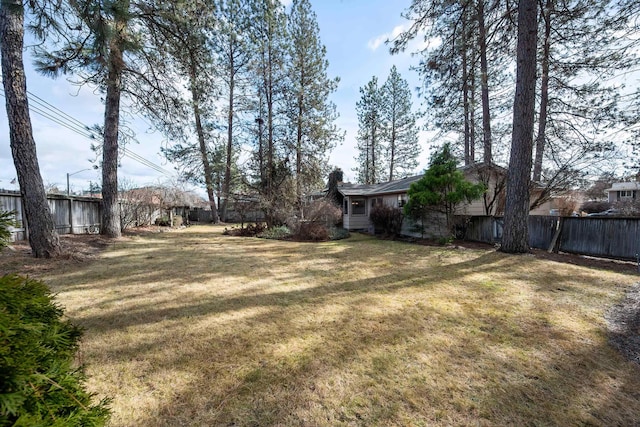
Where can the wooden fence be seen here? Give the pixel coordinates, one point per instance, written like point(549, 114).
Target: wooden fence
point(607, 237)
point(71, 214)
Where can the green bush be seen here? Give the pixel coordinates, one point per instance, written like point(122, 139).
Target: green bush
point(336, 233)
point(39, 385)
point(276, 233)
point(7, 220)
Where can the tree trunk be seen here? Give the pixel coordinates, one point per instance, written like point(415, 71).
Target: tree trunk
point(465, 91)
point(42, 236)
point(110, 213)
point(299, 153)
point(484, 84)
point(226, 186)
point(515, 238)
point(544, 93)
point(202, 143)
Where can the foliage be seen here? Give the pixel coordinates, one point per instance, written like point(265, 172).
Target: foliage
point(594, 206)
point(7, 220)
point(312, 232)
point(251, 230)
point(324, 210)
point(276, 233)
point(309, 110)
point(401, 132)
point(338, 233)
point(387, 218)
point(39, 386)
point(370, 139)
point(441, 189)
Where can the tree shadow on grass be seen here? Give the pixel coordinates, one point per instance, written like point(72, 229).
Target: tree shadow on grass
point(441, 349)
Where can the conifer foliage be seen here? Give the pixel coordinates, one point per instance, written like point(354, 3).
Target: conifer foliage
point(39, 384)
point(387, 136)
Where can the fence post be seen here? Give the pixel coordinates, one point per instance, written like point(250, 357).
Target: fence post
point(71, 224)
point(553, 247)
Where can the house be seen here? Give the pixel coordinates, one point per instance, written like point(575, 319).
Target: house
point(359, 199)
point(623, 192)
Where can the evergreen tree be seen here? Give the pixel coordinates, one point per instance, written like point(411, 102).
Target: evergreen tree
point(102, 39)
point(442, 189)
point(311, 113)
point(232, 49)
point(269, 44)
point(461, 71)
point(371, 122)
point(181, 32)
point(401, 134)
point(43, 238)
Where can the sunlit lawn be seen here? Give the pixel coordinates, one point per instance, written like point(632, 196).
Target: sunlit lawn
point(195, 328)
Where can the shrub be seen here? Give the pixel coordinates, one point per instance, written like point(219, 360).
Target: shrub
point(163, 221)
point(7, 220)
point(595, 206)
point(276, 233)
point(312, 232)
point(387, 219)
point(39, 386)
point(323, 210)
point(251, 230)
point(336, 233)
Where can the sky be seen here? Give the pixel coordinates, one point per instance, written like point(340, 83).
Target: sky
point(353, 32)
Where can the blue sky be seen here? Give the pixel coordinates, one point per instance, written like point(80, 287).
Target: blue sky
point(353, 32)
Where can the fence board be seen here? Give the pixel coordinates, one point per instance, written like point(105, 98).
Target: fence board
point(541, 230)
point(605, 237)
point(70, 214)
point(617, 238)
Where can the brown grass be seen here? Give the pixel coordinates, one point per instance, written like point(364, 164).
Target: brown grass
point(194, 328)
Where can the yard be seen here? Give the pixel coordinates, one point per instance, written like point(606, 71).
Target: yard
point(194, 328)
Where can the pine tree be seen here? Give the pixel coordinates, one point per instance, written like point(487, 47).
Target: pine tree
point(98, 36)
point(233, 56)
point(442, 189)
point(43, 238)
point(371, 125)
point(515, 238)
point(269, 44)
point(311, 113)
point(401, 133)
point(181, 32)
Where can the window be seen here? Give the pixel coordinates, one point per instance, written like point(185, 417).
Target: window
point(358, 206)
point(376, 202)
point(346, 206)
point(402, 200)
point(626, 194)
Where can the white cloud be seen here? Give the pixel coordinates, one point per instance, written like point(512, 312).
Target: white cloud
point(376, 42)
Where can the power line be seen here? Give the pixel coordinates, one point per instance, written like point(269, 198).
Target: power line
point(45, 109)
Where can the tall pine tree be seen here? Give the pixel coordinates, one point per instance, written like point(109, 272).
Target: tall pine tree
point(401, 133)
point(311, 113)
point(43, 238)
point(370, 160)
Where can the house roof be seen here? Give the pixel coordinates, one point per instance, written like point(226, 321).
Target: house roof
point(402, 185)
point(391, 187)
point(622, 186)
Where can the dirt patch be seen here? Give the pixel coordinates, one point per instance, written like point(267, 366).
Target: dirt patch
point(623, 322)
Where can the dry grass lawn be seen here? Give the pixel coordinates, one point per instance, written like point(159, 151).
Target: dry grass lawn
point(192, 328)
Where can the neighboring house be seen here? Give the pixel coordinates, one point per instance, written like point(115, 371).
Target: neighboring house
point(624, 192)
